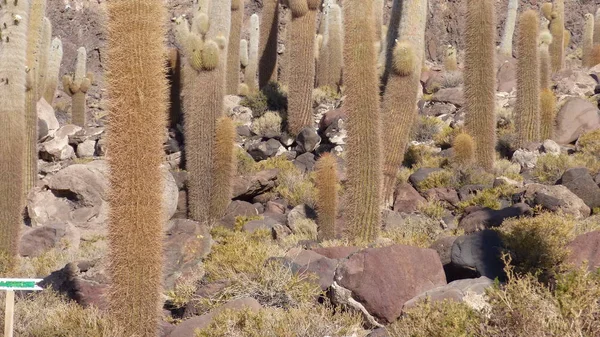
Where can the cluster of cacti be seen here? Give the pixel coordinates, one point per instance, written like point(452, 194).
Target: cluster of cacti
point(204, 49)
point(557, 29)
point(233, 56)
point(330, 58)
point(267, 49)
point(527, 108)
point(480, 79)
point(14, 18)
point(135, 137)
point(401, 92)
point(450, 59)
point(326, 181)
point(76, 86)
point(363, 151)
point(506, 48)
point(588, 40)
point(252, 67)
point(301, 64)
point(223, 167)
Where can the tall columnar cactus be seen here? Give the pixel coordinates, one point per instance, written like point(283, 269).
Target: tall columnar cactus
point(464, 150)
point(54, 61)
point(557, 28)
point(544, 50)
point(203, 59)
point(223, 167)
point(547, 114)
point(13, 43)
point(135, 136)
point(76, 86)
point(363, 156)
point(330, 62)
point(450, 59)
point(302, 65)
point(252, 67)
point(326, 181)
point(378, 15)
point(244, 57)
point(506, 48)
point(401, 92)
point(597, 27)
point(233, 57)
point(546, 9)
point(588, 39)
point(267, 49)
point(480, 79)
point(35, 23)
point(45, 45)
point(527, 108)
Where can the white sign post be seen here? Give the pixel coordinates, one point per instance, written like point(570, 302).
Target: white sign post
point(10, 285)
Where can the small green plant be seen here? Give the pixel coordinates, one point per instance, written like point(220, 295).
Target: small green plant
point(434, 209)
point(550, 167)
point(489, 197)
point(257, 102)
point(589, 143)
point(268, 124)
point(443, 178)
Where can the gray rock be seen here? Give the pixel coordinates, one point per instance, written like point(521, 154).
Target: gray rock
point(488, 218)
point(47, 118)
point(57, 148)
point(264, 149)
point(305, 162)
point(267, 223)
point(550, 146)
point(101, 147)
point(443, 247)
point(302, 261)
point(248, 186)
point(298, 214)
point(307, 140)
point(556, 198)
point(459, 291)
point(469, 191)
point(501, 181)
point(579, 181)
point(525, 158)
point(481, 251)
point(576, 117)
point(336, 132)
point(86, 149)
point(450, 95)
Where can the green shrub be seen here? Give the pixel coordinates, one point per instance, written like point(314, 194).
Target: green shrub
point(267, 124)
point(549, 167)
point(434, 209)
point(589, 143)
point(419, 231)
point(257, 102)
point(443, 178)
point(426, 128)
point(422, 156)
point(489, 197)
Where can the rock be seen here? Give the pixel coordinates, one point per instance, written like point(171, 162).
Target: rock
point(307, 140)
point(585, 249)
point(264, 149)
point(204, 291)
point(249, 186)
point(550, 146)
point(447, 195)
point(238, 208)
point(525, 158)
point(336, 132)
point(438, 109)
point(186, 244)
point(58, 148)
point(469, 191)
point(37, 241)
point(450, 95)
point(459, 291)
point(101, 147)
point(576, 117)
point(480, 251)
point(86, 149)
point(305, 162)
point(279, 232)
point(336, 253)
point(507, 76)
point(382, 279)
point(580, 182)
point(267, 223)
point(188, 327)
point(332, 116)
point(47, 118)
point(443, 247)
point(501, 181)
point(379, 332)
point(302, 261)
point(488, 218)
point(298, 214)
point(574, 82)
point(421, 174)
point(407, 199)
point(556, 198)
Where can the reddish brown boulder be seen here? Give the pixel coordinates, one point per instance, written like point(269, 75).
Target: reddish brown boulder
point(336, 252)
point(586, 248)
point(407, 198)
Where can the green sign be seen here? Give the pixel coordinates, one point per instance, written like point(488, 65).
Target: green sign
point(19, 284)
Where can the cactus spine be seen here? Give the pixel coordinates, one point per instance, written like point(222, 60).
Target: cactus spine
point(244, 58)
point(302, 65)
point(401, 93)
point(547, 114)
point(527, 108)
point(76, 86)
point(588, 40)
point(13, 43)
point(45, 45)
point(450, 61)
point(480, 80)
point(327, 198)
point(545, 69)
point(330, 64)
point(223, 167)
point(203, 67)
point(267, 50)
point(557, 28)
point(54, 60)
point(233, 57)
point(363, 156)
point(597, 27)
point(252, 67)
point(546, 9)
point(506, 48)
point(464, 149)
point(135, 137)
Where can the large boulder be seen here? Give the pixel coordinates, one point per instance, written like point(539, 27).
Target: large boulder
point(576, 117)
point(469, 291)
point(57, 148)
point(39, 240)
point(305, 262)
point(450, 95)
point(585, 249)
point(251, 185)
point(480, 251)
point(238, 208)
point(381, 280)
point(488, 218)
point(579, 181)
point(556, 198)
point(407, 199)
point(47, 122)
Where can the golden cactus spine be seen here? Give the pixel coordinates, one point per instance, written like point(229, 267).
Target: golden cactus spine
point(54, 61)
point(302, 65)
point(527, 108)
point(557, 28)
point(13, 60)
point(35, 23)
point(267, 50)
point(326, 181)
point(588, 40)
point(251, 69)
point(450, 59)
point(547, 114)
point(363, 156)
point(331, 65)
point(544, 50)
point(233, 57)
point(401, 92)
point(480, 80)
point(597, 27)
point(378, 15)
point(135, 137)
point(464, 149)
point(546, 10)
point(223, 167)
point(76, 86)
point(506, 48)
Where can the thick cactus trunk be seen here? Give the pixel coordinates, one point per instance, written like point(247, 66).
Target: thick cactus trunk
point(557, 28)
point(54, 60)
point(363, 156)
point(12, 116)
point(223, 167)
point(480, 79)
point(252, 68)
point(267, 50)
point(326, 181)
point(588, 40)
point(233, 57)
point(506, 46)
point(331, 56)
